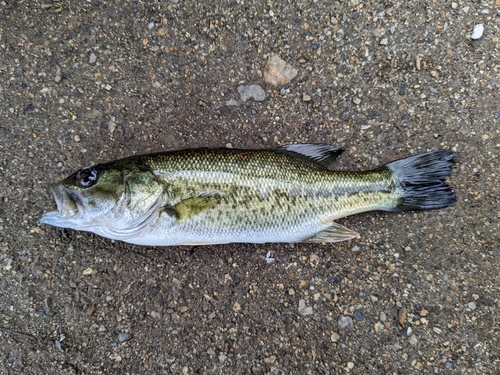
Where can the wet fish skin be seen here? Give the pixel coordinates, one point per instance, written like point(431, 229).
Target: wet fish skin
point(209, 196)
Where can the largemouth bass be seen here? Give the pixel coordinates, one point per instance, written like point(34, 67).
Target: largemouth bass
point(214, 196)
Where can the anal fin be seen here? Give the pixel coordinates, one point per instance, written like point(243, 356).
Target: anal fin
point(334, 233)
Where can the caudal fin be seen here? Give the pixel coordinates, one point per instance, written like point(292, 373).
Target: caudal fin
point(420, 181)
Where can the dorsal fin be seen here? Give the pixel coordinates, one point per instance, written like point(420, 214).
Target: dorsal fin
point(320, 153)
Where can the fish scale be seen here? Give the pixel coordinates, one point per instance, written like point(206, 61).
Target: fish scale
point(209, 196)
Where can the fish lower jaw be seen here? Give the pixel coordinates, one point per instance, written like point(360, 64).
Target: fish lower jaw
point(55, 219)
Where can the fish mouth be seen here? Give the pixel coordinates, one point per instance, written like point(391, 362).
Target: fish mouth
point(69, 205)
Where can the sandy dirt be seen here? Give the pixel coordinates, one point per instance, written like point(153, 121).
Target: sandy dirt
point(83, 82)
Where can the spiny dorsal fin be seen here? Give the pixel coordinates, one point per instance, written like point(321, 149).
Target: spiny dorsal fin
point(320, 153)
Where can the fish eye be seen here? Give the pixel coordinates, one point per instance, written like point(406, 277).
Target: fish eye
point(86, 177)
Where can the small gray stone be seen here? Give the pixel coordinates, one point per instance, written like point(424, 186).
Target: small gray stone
point(345, 322)
point(122, 337)
point(413, 340)
point(303, 309)
point(93, 58)
point(384, 41)
point(471, 305)
point(232, 103)
point(254, 92)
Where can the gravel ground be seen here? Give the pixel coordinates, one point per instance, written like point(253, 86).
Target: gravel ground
point(89, 81)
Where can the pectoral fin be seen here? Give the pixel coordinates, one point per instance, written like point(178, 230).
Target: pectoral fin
point(334, 233)
point(194, 205)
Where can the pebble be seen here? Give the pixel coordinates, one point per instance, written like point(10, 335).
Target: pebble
point(254, 92)
point(471, 305)
point(111, 126)
point(232, 103)
point(402, 315)
point(93, 58)
point(383, 316)
point(122, 337)
point(378, 32)
point(303, 309)
point(345, 322)
point(277, 72)
point(355, 248)
point(222, 357)
point(378, 327)
point(335, 337)
point(58, 345)
point(358, 315)
point(413, 341)
point(477, 32)
point(236, 307)
point(384, 41)
point(313, 257)
point(8, 264)
point(306, 98)
point(270, 359)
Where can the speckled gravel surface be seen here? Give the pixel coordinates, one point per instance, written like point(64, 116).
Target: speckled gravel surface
point(89, 81)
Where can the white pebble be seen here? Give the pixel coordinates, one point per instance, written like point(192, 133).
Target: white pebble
point(471, 305)
point(151, 25)
point(478, 31)
point(92, 58)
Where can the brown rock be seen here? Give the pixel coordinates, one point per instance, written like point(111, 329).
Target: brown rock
point(402, 313)
point(277, 72)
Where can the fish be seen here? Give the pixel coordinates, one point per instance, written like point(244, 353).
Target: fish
point(207, 196)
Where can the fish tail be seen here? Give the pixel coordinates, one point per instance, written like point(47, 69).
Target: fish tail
point(420, 181)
